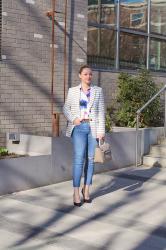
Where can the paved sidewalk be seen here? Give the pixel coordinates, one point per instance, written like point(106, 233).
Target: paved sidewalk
point(128, 212)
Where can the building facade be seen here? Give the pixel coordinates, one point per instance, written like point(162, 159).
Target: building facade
point(25, 65)
point(125, 35)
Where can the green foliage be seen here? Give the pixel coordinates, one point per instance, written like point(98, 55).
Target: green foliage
point(3, 151)
point(110, 117)
point(133, 93)
point(108, 123)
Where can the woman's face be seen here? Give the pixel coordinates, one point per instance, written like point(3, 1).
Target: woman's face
point(86, 76)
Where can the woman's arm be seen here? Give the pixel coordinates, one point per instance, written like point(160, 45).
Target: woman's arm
point(101, 117)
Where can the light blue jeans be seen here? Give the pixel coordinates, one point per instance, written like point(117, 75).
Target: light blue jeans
point(84, 149)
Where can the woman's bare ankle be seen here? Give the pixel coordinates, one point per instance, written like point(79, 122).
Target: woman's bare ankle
point(76, 195)
point(86, 191)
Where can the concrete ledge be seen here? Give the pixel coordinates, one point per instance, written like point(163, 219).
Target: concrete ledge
point(33, 171)
point(24, 173)
point(32, 145)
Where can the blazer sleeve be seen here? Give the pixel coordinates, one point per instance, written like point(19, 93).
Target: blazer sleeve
point(67, 107)
point(101, 115)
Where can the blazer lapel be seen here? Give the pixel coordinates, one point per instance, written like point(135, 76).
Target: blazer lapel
point(92, 96)
point(76, 97)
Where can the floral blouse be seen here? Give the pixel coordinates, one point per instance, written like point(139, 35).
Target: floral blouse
point(84, 104)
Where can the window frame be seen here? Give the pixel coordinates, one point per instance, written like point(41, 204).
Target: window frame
point(118, 29)
point(0, 29)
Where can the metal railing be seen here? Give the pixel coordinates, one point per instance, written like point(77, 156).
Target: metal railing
point(138, 116)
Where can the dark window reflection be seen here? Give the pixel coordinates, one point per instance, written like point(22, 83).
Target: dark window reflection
point(93, 41)
point(133, 14)
point(101, 47)
point(133, 47)
point(93, 11)
point(158, 16)
point(158, 55)
point(0, 25)
point(108, 15)
point(132, 51)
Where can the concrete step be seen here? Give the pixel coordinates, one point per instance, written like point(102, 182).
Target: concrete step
point(151, 160)
point(158, 150)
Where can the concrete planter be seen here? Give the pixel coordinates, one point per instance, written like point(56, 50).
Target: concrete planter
point(24, 173)
point(53, 161)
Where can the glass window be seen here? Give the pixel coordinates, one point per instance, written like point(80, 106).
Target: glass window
point(158, 16)
point(108, 12)
point(101, 47)
point(93, 41)
point(93, 11)
point(133, 44)
point(136, 19)
point(0, 25)
point(132, 51)
point(133, 14)
point(157, 55)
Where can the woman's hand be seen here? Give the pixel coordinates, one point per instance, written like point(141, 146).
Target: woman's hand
point(77, 121)
point(100, 137)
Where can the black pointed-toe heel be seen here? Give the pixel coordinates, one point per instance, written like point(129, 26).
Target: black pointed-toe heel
point(85, 200)
point(77, 204)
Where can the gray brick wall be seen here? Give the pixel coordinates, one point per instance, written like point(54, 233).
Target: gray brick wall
point(25, 81)
point(108, 81)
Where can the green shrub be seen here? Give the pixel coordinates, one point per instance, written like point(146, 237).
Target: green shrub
point(133, 93)
point(108, 123)
point(110, 117)
point(3, 151)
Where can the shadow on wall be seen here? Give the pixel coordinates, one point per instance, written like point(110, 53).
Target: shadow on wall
point(26, 75)
point(70, 33)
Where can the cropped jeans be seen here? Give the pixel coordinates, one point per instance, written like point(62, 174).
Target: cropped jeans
point(84, 149)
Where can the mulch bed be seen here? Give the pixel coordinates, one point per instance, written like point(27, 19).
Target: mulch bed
point(12, 155)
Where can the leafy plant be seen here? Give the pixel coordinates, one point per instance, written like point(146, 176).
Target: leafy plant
point(108, 123)
point(3, 151)
point(133, 93)
point(110, 117)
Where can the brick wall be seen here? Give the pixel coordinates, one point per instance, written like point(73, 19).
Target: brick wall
point(25, 81)
point(108, 81)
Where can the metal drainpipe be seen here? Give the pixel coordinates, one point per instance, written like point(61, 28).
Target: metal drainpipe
point(148, 39)
point(117, 35)
point(136, 141)
point(55, 116)
point(65, 49)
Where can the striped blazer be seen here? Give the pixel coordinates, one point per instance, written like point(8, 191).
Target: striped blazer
point(71, 110)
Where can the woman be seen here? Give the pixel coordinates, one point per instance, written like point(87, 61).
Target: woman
point(84, 110)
